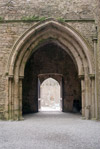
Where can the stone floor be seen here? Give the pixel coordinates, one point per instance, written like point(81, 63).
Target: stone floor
point(50, 130)
point(55, 108)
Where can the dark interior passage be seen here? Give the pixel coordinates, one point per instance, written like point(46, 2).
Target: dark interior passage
point(50, 58)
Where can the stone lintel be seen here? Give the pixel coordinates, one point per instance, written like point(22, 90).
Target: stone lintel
point(50, 74)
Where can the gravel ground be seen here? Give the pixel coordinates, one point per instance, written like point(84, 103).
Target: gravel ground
point(45, 130)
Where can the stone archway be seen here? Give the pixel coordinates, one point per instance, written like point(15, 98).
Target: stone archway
point(58, 78)
point(51, 59)
point(69, 40)
point(49, 95)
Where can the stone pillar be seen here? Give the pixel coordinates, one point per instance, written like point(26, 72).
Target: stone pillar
point(83, 95)
point(61, 95)
point(6, 112)
point(10, 97)
point(96, 82)
point(92, 97)
point(87, 89)
point(16, 99)
point(20, 98)
point(39, 94)
point(14, 103)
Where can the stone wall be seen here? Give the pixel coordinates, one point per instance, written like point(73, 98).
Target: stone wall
point(68, 9)
point(98, 57)
point(9, 34)
point(15, 19)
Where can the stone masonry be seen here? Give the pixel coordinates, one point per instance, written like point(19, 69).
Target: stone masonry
point(26, 23)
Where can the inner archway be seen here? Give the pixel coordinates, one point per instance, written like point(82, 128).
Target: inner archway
point(54, 61)
point(49, 98)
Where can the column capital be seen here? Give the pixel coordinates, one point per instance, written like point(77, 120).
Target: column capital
point(81, 77)
point(10, 76)
point(21, 77)
point(92, 76)
point(95, 39)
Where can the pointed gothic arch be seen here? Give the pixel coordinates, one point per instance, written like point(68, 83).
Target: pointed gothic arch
point(69, 40)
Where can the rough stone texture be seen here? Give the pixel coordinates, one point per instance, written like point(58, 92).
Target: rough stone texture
point(74, 9)
point(10, 32)
point(98, 57)
point(70, 9)
point(50, 59)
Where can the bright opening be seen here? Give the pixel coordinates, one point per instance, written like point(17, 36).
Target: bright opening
point(50, 96)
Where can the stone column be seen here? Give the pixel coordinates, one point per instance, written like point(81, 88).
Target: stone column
point(87, 89)
point(61, 94)
point(95, 61)
point(10, 97)
point(6, 112)
point(39, 94)
point(92, 97)
point(83, 94)
point(20, 98)
point(16, 99)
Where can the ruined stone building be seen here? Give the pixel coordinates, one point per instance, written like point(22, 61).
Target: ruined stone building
point(58, 39)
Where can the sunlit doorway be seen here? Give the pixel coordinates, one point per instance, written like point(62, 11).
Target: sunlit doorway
point(50, 96)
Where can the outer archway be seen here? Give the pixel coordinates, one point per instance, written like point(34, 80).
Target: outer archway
point(69, 40)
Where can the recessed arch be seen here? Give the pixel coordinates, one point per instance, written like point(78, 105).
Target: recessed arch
point(48, 81)
point(39, 34)
point(51, 29)
point(55, 63)
point(46, 76)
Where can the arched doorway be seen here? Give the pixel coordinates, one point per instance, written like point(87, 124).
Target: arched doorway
point(49, 98)
point(55, 63)
point(69, 40)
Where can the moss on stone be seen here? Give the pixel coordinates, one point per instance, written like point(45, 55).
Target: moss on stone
point(1, 19)
point(33, 18)
point(61, 20)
